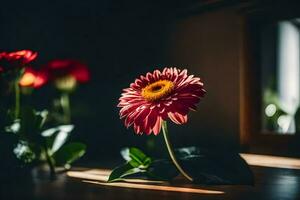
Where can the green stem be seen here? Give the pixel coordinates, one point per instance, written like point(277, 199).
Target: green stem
point(17, 99)
point(65, 104)
point(171, 152)
point(49, 161)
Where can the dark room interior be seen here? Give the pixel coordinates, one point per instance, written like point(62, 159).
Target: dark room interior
point(73, 72)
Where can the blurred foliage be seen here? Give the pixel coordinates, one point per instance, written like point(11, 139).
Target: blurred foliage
point(28, 136)
point(270, 123)
point(36, 142)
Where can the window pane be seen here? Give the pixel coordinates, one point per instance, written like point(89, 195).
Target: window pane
point(280, 77)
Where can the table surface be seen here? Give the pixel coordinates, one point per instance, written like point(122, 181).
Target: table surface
point(90, 183)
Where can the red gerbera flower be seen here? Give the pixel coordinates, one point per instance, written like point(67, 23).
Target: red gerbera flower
point(13, 60)
point(24, 56)
point(66, 73)
point(154, 98)
point(33, 78)
point(63, 68)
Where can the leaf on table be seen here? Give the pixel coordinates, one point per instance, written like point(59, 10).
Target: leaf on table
point(122, 171)
point(137, 162)
point(162, 169)
point(135, 157)
point(206, 166)
point(214, 167)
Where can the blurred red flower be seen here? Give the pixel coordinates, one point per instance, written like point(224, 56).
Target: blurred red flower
point(33, 78)
point(154, 98)
point(14, 60)
point(67, 73)
point(65, 68)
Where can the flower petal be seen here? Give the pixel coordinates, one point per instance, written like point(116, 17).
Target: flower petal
point(178, 118)
point(157, 126)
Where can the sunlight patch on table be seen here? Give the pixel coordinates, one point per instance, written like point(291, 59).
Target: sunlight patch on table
point(156, 187)
point(271, 161)
point(100, 176)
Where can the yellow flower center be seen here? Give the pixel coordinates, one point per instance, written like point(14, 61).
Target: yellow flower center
point(157, 90)
point(66, 83)
point(27, 79)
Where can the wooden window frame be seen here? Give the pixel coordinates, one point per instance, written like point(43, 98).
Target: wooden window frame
point(251, 137)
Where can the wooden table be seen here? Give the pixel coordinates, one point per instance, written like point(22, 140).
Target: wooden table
point(87, 183)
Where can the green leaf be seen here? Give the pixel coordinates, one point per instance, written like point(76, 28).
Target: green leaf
point(211, 166)
point(162, 169)
point(69, 153)
point(137, 162)
point(122, 171)
point(135, 157)
point(40, 118)
point(57, 136)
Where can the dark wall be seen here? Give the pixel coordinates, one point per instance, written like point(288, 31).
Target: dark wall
point(208, 45)
point(119, 41)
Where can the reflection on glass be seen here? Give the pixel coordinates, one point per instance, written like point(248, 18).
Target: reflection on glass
point(280, 53)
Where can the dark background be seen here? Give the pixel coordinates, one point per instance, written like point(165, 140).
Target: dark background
point(120, 40)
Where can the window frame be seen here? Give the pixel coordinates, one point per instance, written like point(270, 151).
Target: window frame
point(252, 138)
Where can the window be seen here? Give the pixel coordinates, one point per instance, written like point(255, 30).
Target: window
point(280, 77)
point(270, 81)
